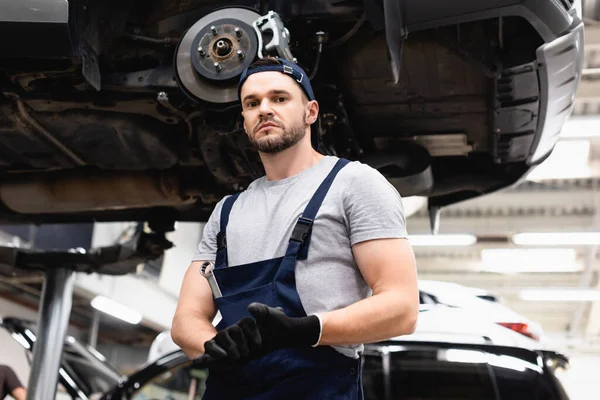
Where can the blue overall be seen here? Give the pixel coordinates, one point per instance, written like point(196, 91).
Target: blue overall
point(291, 373)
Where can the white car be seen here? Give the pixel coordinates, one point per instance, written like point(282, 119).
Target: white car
point(436, 322)
point(448, 312)
point(480, 304)
point(441, 323)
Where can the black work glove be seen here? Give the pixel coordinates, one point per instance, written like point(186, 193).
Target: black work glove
point(234, 345)
point(277, 330)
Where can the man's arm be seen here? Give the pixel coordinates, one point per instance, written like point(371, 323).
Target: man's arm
point(192, 323)
point(389, 268)
point(12, 383)
point(19, 393)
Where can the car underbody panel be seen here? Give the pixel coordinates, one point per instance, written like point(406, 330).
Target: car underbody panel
point(127, 110)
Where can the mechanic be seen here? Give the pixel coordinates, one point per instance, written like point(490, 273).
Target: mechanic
point(307, 264)
point(10, 384)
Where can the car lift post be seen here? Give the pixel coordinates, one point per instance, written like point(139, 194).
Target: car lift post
point(52, 323)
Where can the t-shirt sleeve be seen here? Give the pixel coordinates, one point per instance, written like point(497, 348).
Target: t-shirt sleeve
point(11, 381)
point(373, 207)
point(207, 248)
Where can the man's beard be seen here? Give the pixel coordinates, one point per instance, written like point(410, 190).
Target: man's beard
point(272, 144)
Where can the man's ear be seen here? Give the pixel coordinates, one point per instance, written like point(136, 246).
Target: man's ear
point(312, 112)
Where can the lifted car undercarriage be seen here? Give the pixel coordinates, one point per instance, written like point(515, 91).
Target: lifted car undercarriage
point(127, 110)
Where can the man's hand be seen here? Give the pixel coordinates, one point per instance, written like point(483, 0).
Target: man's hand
point(271, 329)
point(277, 330)
point(235, 344)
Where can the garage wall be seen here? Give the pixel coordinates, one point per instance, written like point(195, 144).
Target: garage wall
point(154, 297)
point(177, 259)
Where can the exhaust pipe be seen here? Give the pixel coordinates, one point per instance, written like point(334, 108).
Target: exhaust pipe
point(59, 193)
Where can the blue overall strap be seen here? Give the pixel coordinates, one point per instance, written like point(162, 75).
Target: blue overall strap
point(221, 260)
point(300, 239)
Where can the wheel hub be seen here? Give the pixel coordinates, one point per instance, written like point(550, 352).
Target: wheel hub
point(222, 48)
point(214, 52)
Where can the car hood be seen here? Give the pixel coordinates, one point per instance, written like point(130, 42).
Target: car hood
point(177, 359)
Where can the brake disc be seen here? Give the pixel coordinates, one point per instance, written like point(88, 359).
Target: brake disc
point(214, 52)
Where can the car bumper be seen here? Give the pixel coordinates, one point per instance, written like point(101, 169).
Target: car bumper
point(560, 64)
point(525, 129)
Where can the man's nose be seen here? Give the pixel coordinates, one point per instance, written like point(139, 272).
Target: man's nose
point(265, 108)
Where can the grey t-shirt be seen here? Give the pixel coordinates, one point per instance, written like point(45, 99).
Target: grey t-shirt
point(360, 205)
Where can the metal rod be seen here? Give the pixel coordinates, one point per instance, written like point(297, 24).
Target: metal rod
point(93, 338)
point(52, 324)
point(387, 373)
point(501, 32)
point(57, 143)
point(166, 40)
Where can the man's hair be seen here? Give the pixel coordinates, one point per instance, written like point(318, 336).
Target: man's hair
point(262, 62)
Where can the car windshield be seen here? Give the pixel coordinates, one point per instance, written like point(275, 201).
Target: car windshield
point(184, 382)
point(453, 374)
point(86, 369)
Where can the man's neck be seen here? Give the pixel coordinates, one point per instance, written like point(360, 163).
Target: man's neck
point(289, 162)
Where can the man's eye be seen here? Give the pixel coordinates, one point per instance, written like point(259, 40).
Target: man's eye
point(251, 104)
point(280, 99)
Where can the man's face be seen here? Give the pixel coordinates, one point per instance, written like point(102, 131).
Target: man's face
point(274, 111)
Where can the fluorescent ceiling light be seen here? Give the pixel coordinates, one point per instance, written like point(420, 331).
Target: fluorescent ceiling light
point(117, 310)
point(557, 239)
point(569, 160)
point(510, 261)
point(21, 340)
point(442, 240)
point(531, 268)
point(560, 295)
point(532, 255)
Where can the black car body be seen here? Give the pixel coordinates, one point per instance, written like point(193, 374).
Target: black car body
point(83, 371)
point(391, 370)
point(112, 109)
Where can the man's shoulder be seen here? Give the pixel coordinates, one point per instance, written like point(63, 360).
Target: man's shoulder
point(216, 212)
point(245, 192)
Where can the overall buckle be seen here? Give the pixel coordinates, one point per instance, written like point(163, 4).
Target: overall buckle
point(301, 230)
